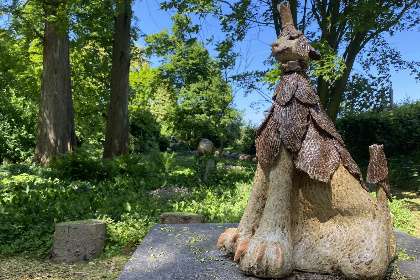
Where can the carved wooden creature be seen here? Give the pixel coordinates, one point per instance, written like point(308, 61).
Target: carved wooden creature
point(309, 209)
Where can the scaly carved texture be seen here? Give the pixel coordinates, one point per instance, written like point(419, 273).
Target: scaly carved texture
point(302, 46)
point(318, 156)
point(292, 122)
point(286, 88)
point(298, 120)
point(350, 165)
point(378, 169)
point(325, 123)
point(290, 30)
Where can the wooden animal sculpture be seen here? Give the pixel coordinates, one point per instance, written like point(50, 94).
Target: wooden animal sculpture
point(309, 209)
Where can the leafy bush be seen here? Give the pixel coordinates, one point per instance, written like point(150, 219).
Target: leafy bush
point(128, 192)
point(179, 147)
point(16, 142)
point(145, 132)
point(246, 143)
point(218, 205)
point(405, 170)
point(397, 130)
point(84, 163)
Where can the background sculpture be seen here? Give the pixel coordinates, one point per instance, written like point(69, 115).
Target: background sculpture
point(309, 209)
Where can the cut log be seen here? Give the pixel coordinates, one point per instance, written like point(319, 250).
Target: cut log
point(77, 241)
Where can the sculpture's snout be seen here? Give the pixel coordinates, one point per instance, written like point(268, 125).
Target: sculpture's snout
point(280, 49)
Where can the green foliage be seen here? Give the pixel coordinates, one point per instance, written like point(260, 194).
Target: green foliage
point(331, 67)
point(246, 142)
point(397, 130)
point(179, 147)
point(129, 192)
point(90, 66)
point(405, 170)
point(273, 76)
point(403, 218)
point(365, 92)
point(344, 31)
point(145, 131)
point(28, 206)
point(19, 95)
point(16, 143)
point(195, 101)
point(218, 205)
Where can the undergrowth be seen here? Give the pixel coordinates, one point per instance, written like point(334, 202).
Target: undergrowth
point(128, 192)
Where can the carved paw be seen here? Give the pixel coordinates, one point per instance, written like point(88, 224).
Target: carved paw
point(264, 258)
point(228, 240)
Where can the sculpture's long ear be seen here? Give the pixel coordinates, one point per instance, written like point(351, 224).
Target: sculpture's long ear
point(313, 54)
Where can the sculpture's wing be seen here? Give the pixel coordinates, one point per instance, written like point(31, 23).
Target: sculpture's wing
point(305, 91)
point(318, 156)
point(350, 164)
point(268, 139)
point(286, 88)
point(292, 121)
point(324, 122)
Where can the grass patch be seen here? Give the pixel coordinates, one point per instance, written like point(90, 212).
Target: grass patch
point(26, 267)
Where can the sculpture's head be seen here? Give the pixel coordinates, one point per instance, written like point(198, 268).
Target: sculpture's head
point(291, 44)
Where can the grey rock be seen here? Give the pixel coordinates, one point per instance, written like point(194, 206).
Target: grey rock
point(205, 147)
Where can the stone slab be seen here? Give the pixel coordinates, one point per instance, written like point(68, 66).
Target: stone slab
point(410, 246)
point(188, 251)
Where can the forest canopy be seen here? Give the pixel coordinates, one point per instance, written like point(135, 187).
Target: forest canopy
point(191, 93)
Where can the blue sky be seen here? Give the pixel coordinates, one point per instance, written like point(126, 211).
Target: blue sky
point(256, 48)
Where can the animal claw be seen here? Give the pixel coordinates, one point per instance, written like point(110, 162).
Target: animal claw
point(278, 251)
point(242, 249)
point(260, 252)
point(224, 236)
point(233, 239)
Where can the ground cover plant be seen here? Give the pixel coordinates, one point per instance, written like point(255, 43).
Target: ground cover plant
point(130, 193)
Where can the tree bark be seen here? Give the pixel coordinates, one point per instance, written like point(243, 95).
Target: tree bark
point(117, 130)
point(335, 93)
point(56, 132)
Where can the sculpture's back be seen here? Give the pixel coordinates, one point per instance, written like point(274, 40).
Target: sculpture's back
point(309, 209)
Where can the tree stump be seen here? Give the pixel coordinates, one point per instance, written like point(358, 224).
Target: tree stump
point(181, 218)
point(77, 241)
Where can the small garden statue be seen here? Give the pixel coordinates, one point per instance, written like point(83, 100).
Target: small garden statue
point(309, 209)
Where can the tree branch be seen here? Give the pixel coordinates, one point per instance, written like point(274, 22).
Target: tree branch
point(391, 23)
point(39, 34)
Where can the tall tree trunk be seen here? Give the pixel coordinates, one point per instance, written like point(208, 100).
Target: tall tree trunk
point(332, 96)
point(56, 132)
point(117, 129)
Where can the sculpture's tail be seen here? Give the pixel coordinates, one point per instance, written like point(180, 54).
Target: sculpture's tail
point(378, 173)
